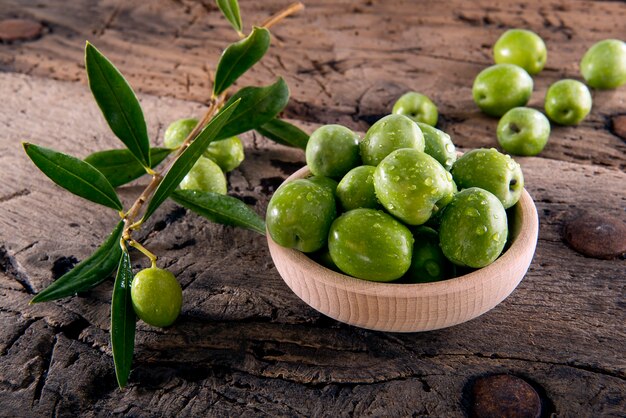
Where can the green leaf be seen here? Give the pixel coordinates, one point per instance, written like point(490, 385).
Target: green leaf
point(230, 9)
point(88, 273)
point(119, 166)
point(74, 175)
point(118, 103)
point(284, 133)
point(123, 321)
point(258, 106)
point(240, 57)
point(219, 208)
point(188, 158)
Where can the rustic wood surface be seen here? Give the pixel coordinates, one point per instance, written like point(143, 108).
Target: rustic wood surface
point(244, 344)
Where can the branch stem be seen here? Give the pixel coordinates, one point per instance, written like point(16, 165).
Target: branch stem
point(157, 177)
point(289, 10)
point(216, 102)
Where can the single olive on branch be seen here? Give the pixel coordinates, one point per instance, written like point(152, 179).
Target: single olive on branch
point(154, 295)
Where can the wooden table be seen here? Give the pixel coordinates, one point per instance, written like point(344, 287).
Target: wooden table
point(244, 344)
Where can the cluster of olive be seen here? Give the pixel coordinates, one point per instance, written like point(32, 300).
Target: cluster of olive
point(220, 157)
point(503, 89)
point(387, 207)
point(156, 294)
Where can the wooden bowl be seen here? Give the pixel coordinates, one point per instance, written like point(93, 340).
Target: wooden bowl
point(403, 307)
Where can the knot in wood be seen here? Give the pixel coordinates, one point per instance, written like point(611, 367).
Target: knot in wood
point(504, 395)
point(596, 235)
point(19, 30)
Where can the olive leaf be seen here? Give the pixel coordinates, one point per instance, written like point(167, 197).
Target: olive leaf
point(88, 273)
point(230, 10)
point(284, 133)
point(118, 103)
point(240, 57)
point(258, 105)
point(188, 158)
point(123, 321)
point(74, 175)
point(219, 208)
point(119, 166)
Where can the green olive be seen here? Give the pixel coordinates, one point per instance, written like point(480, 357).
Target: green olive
point(473, 228)
point(356, 189)
point(521, 47)
point(389, 134)
point(418, 107)
point(412, 185)
point(490, 170)
point(371, 245)
point(428, 263)
point(326, 182)
point(157, 296)
point(205, 175)
point(299, 215)
point(177, 131)
point(332, 151)
point(604, 64)
point(438, 145)
point(501, 87)
point(227, 153)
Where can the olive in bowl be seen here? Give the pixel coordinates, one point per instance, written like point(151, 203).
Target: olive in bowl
point(412, 307)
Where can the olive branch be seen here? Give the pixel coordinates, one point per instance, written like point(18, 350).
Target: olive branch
point(96, 177)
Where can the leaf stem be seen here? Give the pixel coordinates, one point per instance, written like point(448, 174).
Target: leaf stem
point(144, 251)
point(289, 10)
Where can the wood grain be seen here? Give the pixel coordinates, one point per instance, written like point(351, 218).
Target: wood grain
point(345, 62)
point(245, 344)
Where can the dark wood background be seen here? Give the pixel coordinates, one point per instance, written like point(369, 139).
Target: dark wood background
point(244, 344)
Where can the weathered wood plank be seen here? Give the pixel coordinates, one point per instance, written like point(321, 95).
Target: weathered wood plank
point(346, 62)
point(245, 344)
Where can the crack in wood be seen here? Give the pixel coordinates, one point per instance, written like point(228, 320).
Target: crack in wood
point(19, 193)
point(109, 22)
point(587, 368)
point(320, 382)
point(286, 167)
point(184, 244)
point(322, 86)
point(263, 374)
point(47, 362)
point(20, 332)
point(194, 276)
point(28, 247)
point(10, 267)
point(74, 328)
point(55, 406)
point(263, 398)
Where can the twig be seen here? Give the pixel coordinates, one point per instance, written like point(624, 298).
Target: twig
point(215, 104)
point(272, 20)
point(133, 212)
